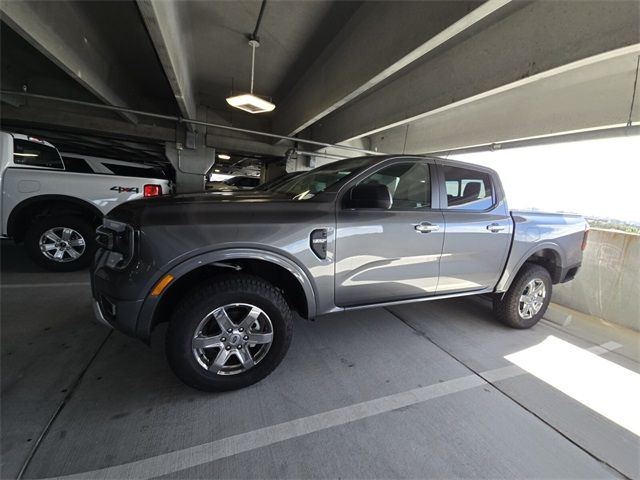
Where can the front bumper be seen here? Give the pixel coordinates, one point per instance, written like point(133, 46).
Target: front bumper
point(110, 290)
point(100, 318)
point(114, 313)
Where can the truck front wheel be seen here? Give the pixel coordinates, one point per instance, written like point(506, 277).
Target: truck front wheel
point(527, 299)
point(229, 334)
point(61, 243)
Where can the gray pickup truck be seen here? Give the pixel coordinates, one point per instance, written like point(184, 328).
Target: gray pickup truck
point(226, 272)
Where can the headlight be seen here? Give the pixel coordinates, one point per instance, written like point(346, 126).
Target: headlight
point(120, 239)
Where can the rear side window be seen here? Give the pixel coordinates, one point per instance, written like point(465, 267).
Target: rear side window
point(468, 189)
point(35, 154)
point(77, 165)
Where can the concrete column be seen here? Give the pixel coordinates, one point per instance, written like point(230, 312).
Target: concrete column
point(273, 170)
point(191, 157)
point(190, 165)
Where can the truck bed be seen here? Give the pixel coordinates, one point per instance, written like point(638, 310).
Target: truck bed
point(560, 234)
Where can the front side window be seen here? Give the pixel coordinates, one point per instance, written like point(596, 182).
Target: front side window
point(35, 154)
point(468, 189)
point(313, 182)
point(409, 184)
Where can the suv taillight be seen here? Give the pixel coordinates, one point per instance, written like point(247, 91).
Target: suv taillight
point(152, 190)
point(585, 238)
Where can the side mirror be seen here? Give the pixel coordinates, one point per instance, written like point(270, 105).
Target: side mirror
point(369, 195)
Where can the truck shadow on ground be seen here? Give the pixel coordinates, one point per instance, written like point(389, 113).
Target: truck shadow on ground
point(14, 259)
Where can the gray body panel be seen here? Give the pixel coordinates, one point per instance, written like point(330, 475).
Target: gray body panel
point(535, 231)
point(473, 257)
point(373, 257)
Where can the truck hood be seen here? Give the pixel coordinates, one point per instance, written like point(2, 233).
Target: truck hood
point(206, 207)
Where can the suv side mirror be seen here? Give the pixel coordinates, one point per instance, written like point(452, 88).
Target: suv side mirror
point(369, 195)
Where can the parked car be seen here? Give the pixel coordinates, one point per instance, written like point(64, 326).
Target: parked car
point(234, 184)
point(358, 233)
point(54, 204)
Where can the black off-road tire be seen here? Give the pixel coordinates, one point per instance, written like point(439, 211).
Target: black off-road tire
point(506, 307)
point(77, 223)
point(192, 309)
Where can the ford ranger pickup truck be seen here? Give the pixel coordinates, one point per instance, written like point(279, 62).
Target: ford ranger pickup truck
point(226, 272)
point(54, 202)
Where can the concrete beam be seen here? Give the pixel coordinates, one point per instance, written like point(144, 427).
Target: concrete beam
point(39, 113)
point(60, 31)
point(587, 98)
point(531, 43)
point(162, 20)
point(379, 40)
point(35, 115)
point(220, 140)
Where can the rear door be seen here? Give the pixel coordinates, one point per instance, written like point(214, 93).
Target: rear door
point(478, 225)
point(387, 255)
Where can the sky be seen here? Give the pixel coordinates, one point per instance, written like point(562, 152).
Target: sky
point(593, 178)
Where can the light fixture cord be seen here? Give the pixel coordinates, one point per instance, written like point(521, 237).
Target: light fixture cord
point(253, 61)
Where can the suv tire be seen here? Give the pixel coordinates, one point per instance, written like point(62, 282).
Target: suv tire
point(204, 315)
point(69, 237)
point(527, 299)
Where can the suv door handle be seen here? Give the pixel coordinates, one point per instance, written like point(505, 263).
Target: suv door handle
point(426, 227)
point(495, 227)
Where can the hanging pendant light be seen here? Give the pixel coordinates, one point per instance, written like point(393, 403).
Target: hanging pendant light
point(248, 101)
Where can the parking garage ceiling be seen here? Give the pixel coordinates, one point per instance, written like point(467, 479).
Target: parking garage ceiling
point(336, 70)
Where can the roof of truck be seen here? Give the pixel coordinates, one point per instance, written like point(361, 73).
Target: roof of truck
point(29, 138)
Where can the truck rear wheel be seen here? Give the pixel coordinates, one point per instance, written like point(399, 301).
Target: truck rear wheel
point(527, 299)
point(61, 243)
point(229, 334)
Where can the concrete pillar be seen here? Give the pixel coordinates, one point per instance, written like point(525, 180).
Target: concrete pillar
point(296, 163)
point(191, 158)
point(190, 165)
point(273, 170)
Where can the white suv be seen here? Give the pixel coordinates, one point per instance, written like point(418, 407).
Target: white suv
point(53, 203)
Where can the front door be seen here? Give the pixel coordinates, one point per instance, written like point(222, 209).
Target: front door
point(387, 255)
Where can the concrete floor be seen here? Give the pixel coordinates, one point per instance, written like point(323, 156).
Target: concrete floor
point(417, 391)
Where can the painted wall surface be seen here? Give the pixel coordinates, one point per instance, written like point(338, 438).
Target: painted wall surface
point(608, 284)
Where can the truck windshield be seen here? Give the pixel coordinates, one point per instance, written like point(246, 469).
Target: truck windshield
point(308, 184)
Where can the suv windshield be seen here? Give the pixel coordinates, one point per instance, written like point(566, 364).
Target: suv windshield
point(308, 184)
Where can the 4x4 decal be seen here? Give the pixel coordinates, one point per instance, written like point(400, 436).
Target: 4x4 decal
point(126, 189)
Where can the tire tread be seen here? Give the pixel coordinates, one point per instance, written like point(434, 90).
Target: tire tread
point(505, 308)
point(229, 284)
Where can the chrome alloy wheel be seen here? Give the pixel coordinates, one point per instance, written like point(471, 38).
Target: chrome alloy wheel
point(232, 339)
point(62, 244)
point(532, 299)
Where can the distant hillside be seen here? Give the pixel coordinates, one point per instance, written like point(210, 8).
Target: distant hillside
point(607, 224)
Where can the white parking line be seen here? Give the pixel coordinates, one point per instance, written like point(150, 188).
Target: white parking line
point(208, 452)
point(44, 285)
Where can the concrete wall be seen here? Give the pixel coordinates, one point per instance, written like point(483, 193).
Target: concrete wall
point(608, 284)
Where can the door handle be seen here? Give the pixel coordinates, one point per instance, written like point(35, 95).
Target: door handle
point(495, 227)
point(426, 227)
